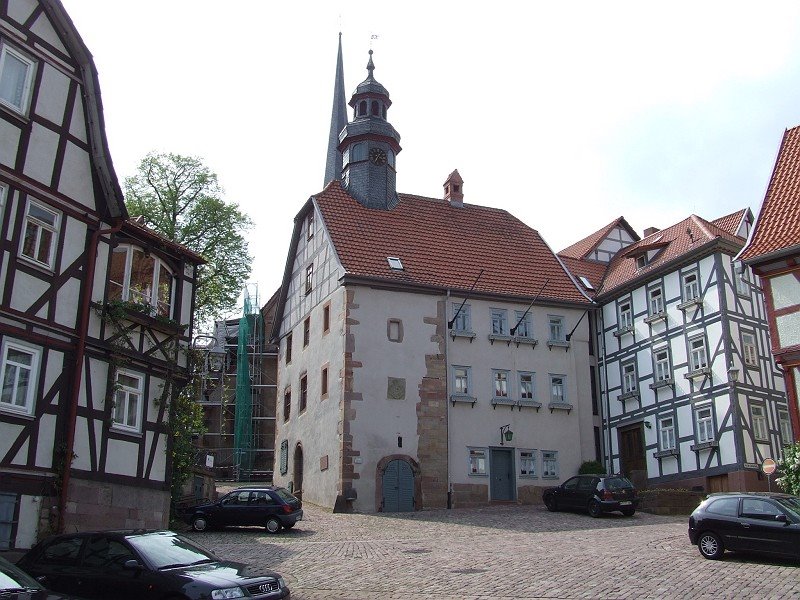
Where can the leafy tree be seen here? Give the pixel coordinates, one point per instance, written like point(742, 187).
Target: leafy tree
point(181, 199)
point(789, 469)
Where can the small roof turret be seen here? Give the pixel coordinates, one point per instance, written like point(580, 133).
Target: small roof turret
point(370, 87)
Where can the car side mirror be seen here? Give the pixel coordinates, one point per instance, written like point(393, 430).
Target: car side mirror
point(782, 519)
point(132, 565)
point(42, 579)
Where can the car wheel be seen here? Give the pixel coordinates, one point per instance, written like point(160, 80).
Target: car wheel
point(710, 546)
point(199, 523)
point(551, 504)
point(629, 512)
point(595, 510)
point(273, 525)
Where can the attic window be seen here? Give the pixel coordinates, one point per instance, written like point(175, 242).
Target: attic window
point(395, 264)
point(586, 283)
point(641, 261)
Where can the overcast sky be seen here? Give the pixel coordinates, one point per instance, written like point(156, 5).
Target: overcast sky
point(567, 114)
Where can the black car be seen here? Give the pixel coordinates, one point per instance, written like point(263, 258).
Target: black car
point(144, 564)
point(15, 584)
point(747, 521)
point(596, 494)
point(270, 506)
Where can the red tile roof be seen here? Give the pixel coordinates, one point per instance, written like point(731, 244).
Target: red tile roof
point(593, 270)
point(583, 247)
point(731, 222)
point(157, 238)
point(443, 246)
point(778, 225)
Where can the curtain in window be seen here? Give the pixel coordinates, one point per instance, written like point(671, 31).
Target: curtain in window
point(12, 80)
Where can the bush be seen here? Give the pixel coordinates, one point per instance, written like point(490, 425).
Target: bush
point(789, 470)
point(591, 467)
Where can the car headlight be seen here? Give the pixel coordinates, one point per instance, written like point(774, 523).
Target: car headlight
point(281, 582)
point(234, 592)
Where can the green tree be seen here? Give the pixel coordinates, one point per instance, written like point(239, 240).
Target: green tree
point(181, 199)
point(789, 469)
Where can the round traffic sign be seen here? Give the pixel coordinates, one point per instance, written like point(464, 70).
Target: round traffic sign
point(768, 466)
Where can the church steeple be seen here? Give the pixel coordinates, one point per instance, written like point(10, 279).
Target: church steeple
point(333, 164)
point(369, 145)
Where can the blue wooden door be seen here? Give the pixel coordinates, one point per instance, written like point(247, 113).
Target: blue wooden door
point(502, 474)
point(398, 487)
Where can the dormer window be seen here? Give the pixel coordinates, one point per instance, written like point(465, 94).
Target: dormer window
point(136, 276)
point(641, 261)
point(395, 264)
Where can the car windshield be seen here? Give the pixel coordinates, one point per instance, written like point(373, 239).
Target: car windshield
point(618, 483)
point(284, 494)
point(790, 504)
point(12, 578)
point(167, 550)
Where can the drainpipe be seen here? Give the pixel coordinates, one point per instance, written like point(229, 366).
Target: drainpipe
point(447, 399)
point(80, 351)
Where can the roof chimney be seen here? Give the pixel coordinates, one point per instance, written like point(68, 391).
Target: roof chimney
point(650, 231)
point(453, 189)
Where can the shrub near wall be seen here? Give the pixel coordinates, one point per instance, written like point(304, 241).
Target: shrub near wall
point(670, 502)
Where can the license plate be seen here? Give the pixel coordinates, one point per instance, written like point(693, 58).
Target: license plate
point(626, 503)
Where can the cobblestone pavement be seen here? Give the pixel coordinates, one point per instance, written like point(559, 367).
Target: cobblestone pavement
point(521, 552)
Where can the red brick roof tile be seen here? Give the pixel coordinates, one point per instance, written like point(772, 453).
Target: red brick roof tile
point(731, 222)
point(778, 225)
point(581, 248)
point(443, 246)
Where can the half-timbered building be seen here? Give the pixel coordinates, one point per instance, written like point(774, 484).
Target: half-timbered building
point(690, 394)
point(95, 308)
point(773, 252)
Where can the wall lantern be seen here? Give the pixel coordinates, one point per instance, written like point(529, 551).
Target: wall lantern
point(733, 373)
point(506, 434)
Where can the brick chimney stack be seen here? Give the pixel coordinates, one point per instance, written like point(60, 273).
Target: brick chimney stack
point(454, 189)
point(650, 231)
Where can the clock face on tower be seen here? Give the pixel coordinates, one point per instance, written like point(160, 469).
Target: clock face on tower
point(377, 156)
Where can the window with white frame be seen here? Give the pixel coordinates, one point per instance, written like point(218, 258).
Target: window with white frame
point(663, 370)
point(698, 359)
point(526, 386)
point(309, 278)
point(499, 321)
point(691, 287)
point(549, 463)
point(704, 421)
point(128, 401)
point(625, 314)
point(527, 463)
point(477, 461)
point(656, 299)
point(16, 79)
point(558, 392)
point(500, 379)
point(19, 372)
point(759, 417)
point(138, 277)
point(310, 224)
point(629, 378)
point(41, 234)
point(524, 323)
point(666, 432)
point(462, 385)
point(462, 317)
point(556, 328)
point(749, 350)
point(786, 426)
point(742, 280)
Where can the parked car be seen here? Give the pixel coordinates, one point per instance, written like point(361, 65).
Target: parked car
point(747, 521)
point(144, 564)
point(596, 494)
point(15, 584)
point(271, 507)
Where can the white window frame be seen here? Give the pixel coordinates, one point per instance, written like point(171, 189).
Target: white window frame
point(527, 463)
point(758, 417)
point(549, 464)
point(691, 286)
point(467, 377)
point(626, 314)
point(655, 300)
point(742, 281)
point(40, 225)
point(309, 284)
point(153, 300)
point(524, 324)
point(704, 424)
point(785, 426)
point(500, 383)
point(27, 86)
point(530, 384)
point(462, 317)
point(127, 392)
point(749, 349)
point(556, 327)
point(667, 433)
point(663, 367)
point(698, 355)
point(3, 196)
point(33, 376)
point(630, 378)
point(499, 321)
point(395, 264)
point(558, 383)
point(476, 462)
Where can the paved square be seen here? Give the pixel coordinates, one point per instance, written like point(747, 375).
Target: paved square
point(521, 552)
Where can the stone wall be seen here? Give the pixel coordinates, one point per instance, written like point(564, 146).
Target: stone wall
point(530, 494)
point(95, 505)
point(670, 502)
point(470, 495)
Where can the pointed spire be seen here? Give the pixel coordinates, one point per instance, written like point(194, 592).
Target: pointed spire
point(333, 164)
point(370, 66)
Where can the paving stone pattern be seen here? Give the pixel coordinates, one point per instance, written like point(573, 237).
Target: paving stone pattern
point(521, 552)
